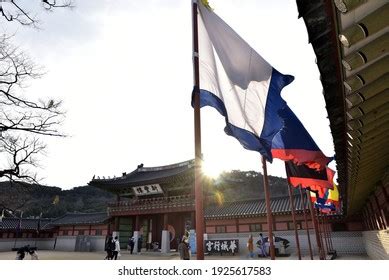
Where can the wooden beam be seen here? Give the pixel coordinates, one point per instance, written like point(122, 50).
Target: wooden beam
point(345, 6)
point(367, 53)
point(369, 25)
point(367, 75)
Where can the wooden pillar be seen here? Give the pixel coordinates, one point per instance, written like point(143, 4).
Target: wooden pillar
point(326, 236)
point(73, 231)
point(322, 232)
point(292, 208)
point(370, 225)
point(376, 215)
point(116, 226)
point(329, 232)
point(365, 225)
point(90, 229)
point(381, 213)
point(315, 225)
point(306, 223)
point(268, 210)
point(372, 216)
point(137, 223)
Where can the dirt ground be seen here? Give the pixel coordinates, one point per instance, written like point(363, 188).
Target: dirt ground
point(125, 255)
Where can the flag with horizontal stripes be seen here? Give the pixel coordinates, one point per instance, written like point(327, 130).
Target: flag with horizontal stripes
point(302, 175)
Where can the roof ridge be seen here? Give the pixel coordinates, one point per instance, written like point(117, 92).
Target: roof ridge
point(164, 167)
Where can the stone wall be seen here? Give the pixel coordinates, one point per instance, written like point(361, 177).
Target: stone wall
point(377, 244)
point(344, 242)
point(40, 243)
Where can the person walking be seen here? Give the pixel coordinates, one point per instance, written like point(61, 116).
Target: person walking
point(140, 241)
point(183, 249)
point(250, 246)
point(108, 248)
point(131, 244)
point(116, 251)
point(261, 245)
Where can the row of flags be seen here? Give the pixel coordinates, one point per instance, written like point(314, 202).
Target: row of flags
point(244, 88)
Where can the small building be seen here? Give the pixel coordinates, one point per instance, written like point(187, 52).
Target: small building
point(81, 231)
point(71, 232)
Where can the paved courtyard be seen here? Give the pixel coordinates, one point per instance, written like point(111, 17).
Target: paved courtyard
point(125, 255)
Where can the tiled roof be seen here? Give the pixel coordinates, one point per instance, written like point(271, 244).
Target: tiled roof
point(350, 41)
point(81, 218)
point(26, 224)
point(251, 208)
point(145, 175)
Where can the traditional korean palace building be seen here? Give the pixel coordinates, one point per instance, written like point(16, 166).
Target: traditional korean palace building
point(157, 203)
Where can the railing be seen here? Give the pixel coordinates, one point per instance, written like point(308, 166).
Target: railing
point(152, 203)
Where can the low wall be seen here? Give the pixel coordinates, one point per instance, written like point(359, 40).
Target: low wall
point(377, 244)
point(41, 243)
point(73, 243)
point(97, 243)
point(344, 242)
point(66, 243)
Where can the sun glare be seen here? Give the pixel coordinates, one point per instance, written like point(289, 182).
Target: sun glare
point(211, 169)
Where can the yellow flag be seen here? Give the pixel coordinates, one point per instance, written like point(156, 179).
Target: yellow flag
point(333, 195)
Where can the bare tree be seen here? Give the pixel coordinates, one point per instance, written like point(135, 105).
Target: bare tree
point(16, 11)
point(24, 120)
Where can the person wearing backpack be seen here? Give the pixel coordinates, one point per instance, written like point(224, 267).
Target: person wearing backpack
point(116, 248)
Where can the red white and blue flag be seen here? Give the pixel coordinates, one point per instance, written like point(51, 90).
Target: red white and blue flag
point(240, 84)
point(294, 143)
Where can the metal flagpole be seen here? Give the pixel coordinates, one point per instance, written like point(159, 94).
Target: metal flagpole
point(325, 236)
point(329, 234)
point(306, 223)
point(292, 207)
point(315, 226)
point(321, 235)
point(268, 209)
point(197, 133)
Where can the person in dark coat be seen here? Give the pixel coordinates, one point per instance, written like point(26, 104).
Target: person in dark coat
point(140, 241)
point(131, 244)
point(108, 248)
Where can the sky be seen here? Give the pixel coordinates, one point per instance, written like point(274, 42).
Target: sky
point(124, 72)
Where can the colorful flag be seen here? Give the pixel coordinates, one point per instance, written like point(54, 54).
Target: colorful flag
point(239, 84)
point(295, 143)
point(333, 195)
point(308, 177)
point(322, 201)
point(323, 204)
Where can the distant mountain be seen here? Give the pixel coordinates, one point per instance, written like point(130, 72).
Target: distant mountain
point(243, 185)
point(54, 202)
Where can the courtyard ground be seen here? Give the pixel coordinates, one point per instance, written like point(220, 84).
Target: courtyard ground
point(125, 255)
